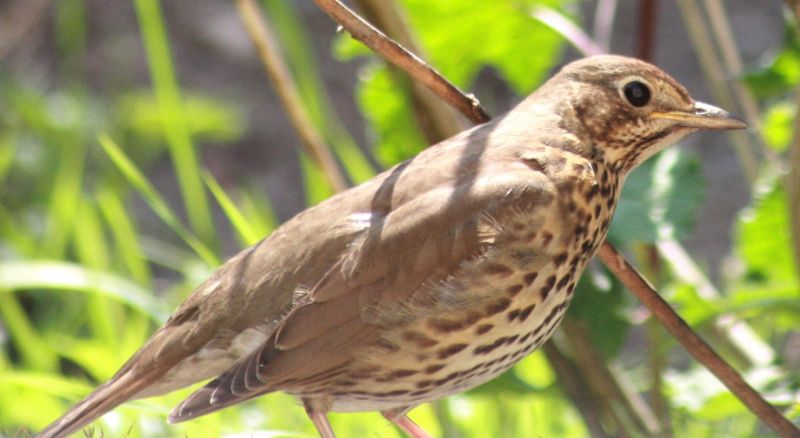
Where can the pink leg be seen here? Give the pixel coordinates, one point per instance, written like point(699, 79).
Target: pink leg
point(403, 422)
point(321, 423)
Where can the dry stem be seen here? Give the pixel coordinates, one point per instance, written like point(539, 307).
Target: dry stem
point(277, 72)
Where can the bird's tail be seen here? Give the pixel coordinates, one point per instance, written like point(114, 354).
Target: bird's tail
point(123, 387)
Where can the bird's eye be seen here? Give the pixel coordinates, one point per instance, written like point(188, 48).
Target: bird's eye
point(637, 93)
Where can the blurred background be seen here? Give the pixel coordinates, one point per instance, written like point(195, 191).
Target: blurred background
point(141, 144)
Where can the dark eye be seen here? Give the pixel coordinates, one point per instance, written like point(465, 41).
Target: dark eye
point(637, 93)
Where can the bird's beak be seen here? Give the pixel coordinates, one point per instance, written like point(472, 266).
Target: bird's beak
point(703, 116)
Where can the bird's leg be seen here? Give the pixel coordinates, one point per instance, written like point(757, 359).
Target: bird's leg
point(403, 422)
point(321, 423)
point(320, 420)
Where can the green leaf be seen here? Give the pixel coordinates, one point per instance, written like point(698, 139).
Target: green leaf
point(602, 307)
point(455, 35)
point(763, 241)
point(208, 118)
point(390, 116)
point(783, 73)
point(779, 125)
point(660, 199)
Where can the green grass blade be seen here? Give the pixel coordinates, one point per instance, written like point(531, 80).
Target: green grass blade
point(256, 206)
point(176, 129)
point(296, 40)
point(56, 275)
point(246, 233)
point(65, 196)
point(125, 235)
point(33, 351)
point(159, 206)
point(90, 245)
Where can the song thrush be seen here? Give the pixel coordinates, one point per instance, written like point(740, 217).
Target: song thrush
point(431, 278)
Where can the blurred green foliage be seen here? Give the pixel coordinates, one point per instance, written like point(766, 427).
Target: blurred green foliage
point(82, 286)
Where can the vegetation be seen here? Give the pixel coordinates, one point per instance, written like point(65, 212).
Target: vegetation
point(94, 254)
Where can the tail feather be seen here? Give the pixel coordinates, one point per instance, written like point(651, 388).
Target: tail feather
point(106, 397)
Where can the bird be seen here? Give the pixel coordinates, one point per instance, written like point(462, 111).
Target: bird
point(427, 280)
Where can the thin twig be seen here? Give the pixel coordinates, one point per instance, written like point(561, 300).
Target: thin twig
point(793, 176)
point(407, 61)
point(569, 30)
point(604, 23)
point(729, 52)
point(646, 33)
point(575, 388)
point(793, 184)
point(693, 343)
point(269, 53)
point(395, 54)
point(711, 65)
point(605, 384)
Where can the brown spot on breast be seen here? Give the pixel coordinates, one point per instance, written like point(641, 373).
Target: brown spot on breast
point(450, 350)
point(563, 281)
point(546, 237)
point(548, 285)
point(447, 378)
point(394, 393)
point(526, 312)
point(488, 348)
point(497, 306)
point(591, 193)
point(560, 259)
point(445, 325)
point(424, 383)
point(420, 339)
point(430, 369)
point(499, 270)
point(530, 277)
point(512, 315)
point(514, 290)
point(399, 374)
point(483, 329)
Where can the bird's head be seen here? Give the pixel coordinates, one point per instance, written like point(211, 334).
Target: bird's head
point(623, 110)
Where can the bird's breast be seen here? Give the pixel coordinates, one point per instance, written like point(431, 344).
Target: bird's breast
point(513, 298)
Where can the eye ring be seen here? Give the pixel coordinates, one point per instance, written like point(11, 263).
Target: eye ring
point(636, 93)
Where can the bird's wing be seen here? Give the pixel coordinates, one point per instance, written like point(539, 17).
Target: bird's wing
point(425, 239)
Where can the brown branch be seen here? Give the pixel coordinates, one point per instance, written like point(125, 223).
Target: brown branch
point(712, 66)
point(793, 188)
point(277, 72)
point(575, 388)
point(604, 382)
point(470, 107)
point(407, 61)
point(693, 343)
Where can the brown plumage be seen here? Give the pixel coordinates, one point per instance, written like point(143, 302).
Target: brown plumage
point(429, 279)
